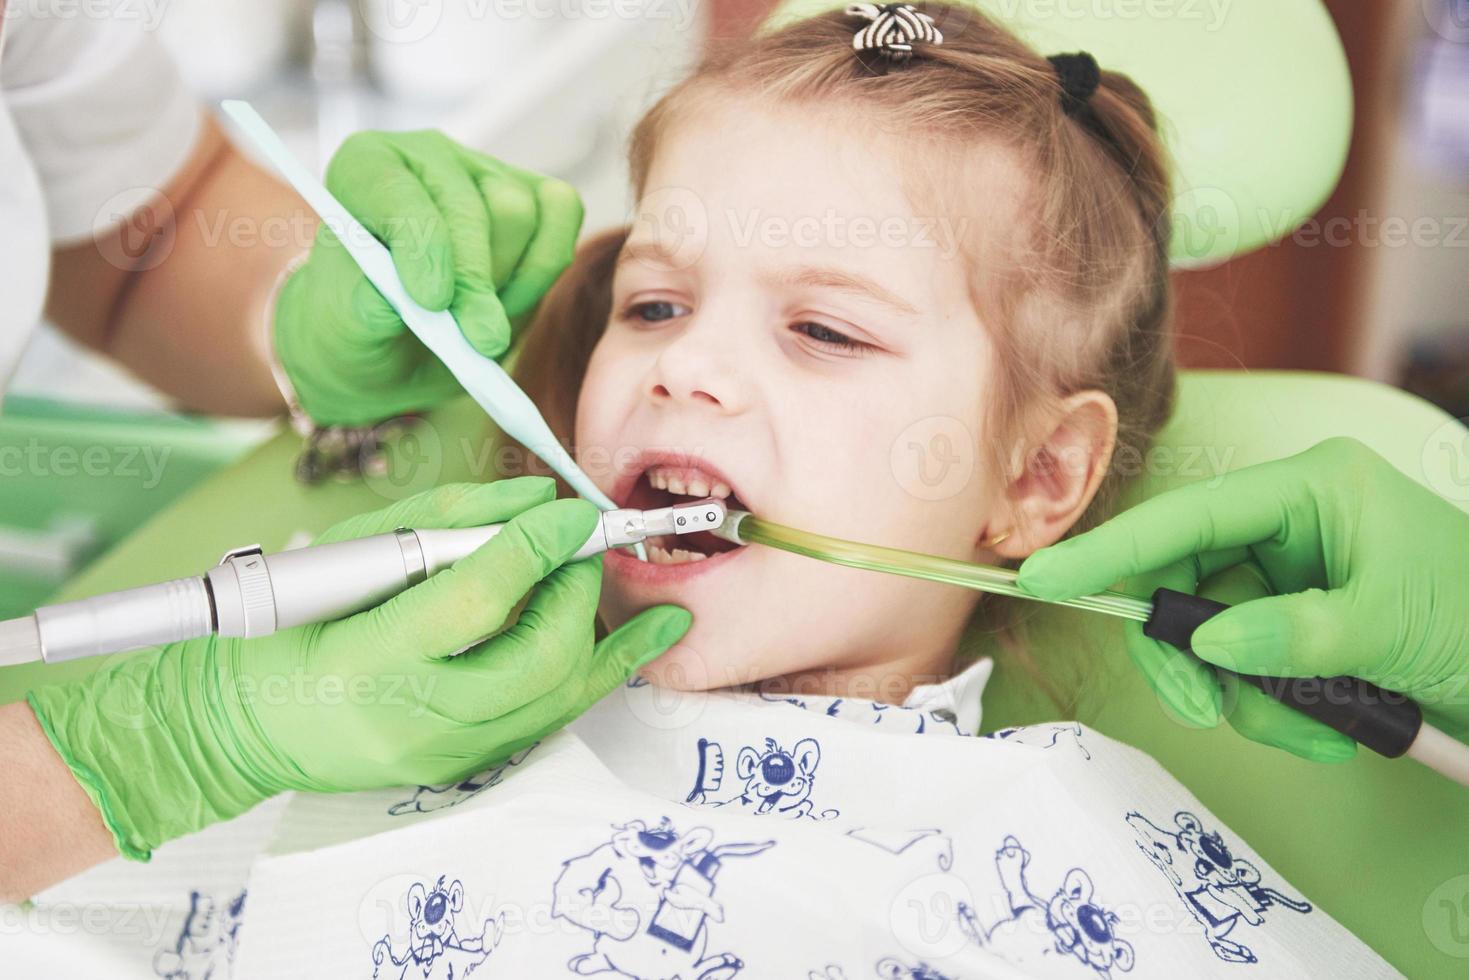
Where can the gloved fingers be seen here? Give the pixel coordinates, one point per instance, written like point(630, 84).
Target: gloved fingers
point(372, 314)
point(1185, 687)
point(449, 506)
point(639, 641)
point(456, 191)
point(512, 206)
point(1301, 634)
point(642, 639)
point(471, 600)
point(539, 653)
point(374, 180)
point(559, 214)
point(1182, 683)
point(1240, 509)
point(1261, 718)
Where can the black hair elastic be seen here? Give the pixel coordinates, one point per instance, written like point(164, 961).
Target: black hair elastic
point(1080, 78)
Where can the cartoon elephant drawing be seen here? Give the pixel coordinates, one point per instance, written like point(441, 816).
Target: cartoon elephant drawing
point(1069, 921)
point(647, 897)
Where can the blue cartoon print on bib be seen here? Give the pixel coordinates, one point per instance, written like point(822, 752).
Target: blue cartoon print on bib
point(647, 896)
point(434, 950)
point(1219, 889)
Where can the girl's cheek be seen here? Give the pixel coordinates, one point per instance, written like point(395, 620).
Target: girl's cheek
point(593, 404)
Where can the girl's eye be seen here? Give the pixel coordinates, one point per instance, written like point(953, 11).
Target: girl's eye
point(831, 340)
point(654, 311)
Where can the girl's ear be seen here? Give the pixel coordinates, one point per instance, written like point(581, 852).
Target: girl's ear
point(1057, 479)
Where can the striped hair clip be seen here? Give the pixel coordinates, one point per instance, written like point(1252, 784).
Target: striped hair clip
point(892, 29)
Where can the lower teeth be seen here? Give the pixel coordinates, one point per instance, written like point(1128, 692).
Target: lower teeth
point(659, 555)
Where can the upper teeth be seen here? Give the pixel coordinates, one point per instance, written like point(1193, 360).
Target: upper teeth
point(687, 483)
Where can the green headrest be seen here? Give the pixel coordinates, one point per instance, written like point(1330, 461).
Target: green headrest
point(1254, 95)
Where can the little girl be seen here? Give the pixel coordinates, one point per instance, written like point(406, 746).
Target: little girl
point(897, 278)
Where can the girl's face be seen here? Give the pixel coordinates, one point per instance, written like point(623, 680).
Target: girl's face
point(786, 328)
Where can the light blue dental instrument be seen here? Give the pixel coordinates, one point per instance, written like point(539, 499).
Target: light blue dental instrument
point(484, 380)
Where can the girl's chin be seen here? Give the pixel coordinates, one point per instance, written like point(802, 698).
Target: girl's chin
point(694, 665)
point(682, 668)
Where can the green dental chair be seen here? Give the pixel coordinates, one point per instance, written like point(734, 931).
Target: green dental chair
point(1382, 846)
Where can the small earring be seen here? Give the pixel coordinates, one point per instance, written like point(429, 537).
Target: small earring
point(991, 542)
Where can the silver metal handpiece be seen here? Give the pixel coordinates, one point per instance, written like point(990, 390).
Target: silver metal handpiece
point(250, 593)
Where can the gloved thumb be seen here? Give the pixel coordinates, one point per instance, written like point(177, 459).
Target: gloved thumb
point(639, 641)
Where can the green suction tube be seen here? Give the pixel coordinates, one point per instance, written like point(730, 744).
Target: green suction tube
point(741, 527)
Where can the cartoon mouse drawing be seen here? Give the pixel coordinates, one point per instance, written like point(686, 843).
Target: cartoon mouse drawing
point(435, 951)
point(1069, 921)
point(647, 897)
point(775, 781)
point(426, 799)
point(1219, 889)
point(206, 943)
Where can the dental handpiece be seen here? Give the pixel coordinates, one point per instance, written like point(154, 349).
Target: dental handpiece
point(251, 594)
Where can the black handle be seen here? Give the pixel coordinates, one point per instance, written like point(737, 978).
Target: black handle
point(1384, 721)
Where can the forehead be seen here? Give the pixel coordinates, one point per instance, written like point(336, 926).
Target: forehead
point(739, 178)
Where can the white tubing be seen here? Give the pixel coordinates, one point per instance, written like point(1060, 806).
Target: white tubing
point(1442, 753)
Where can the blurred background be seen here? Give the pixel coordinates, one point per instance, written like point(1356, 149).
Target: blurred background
point(1372, 285)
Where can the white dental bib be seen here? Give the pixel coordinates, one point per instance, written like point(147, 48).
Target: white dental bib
point(737, 835)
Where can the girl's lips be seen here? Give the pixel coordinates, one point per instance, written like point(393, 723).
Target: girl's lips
point(628, 568)
point(622, 489)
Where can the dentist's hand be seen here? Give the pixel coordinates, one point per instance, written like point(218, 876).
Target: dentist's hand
point(170, 740)
point(468, 233)
point(1369, 572)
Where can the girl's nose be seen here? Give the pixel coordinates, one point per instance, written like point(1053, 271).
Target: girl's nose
point(698, 369)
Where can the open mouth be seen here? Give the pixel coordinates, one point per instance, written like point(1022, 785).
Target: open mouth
point(663, 485)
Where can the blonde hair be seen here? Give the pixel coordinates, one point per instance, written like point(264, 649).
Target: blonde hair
point(1083, 300)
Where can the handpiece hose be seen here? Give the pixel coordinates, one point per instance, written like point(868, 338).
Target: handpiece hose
point(250, 593)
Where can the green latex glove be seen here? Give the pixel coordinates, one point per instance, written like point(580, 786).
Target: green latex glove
point(468, 233)
point(170, 740)
point(1368, 571)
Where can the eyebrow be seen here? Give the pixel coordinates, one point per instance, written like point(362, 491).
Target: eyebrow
point(653, 253)
point(817, 277)
point(848, 282)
